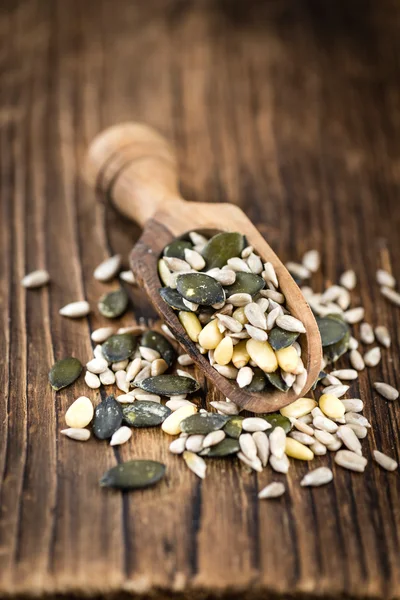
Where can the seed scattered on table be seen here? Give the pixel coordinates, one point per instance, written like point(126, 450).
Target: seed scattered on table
point(35, 279)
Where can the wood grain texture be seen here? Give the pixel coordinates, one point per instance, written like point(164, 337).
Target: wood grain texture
point(288, 109)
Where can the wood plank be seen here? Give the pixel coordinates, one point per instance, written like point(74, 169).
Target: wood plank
point(289, 110)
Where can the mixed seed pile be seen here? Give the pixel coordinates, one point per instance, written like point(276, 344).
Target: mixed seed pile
point(142, 364)
point(230, 305)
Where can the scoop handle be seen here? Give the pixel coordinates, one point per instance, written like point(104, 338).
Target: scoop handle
point(136, 167)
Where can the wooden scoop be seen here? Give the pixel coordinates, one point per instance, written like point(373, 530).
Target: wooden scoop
point(136, 167)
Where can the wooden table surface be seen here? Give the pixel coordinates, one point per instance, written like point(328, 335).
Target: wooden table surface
point(289, 109)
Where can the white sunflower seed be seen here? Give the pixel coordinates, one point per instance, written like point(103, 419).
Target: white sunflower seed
point(337, 444)
point(366, 333)
point(230, 323)
point(386, 462)
point(173, 404)
point(277, 442)
point(325, 424)
point(344, 299)
point(247, 251)
point(280, 465)
point(350, 460)
point(330, 379)
point(185, 360)
point(81, 435)
point(148, 353)
point(144, 373)
point(194, 443)
point(257, 334)
point(126, 398)
point(290, 323)
point(177, 265)
point(120, 380)
point(195, 463)
point(226, 408)
point(128, 277)
point(213, 438)
point(168, 332)
point(386, 390)
point(120, 365)
point(391, 295)
point(298, 270)
point(383, 336)
point(108, 268)
point(237, 264)
point(357, 361)
point(272, 490)
point(92, 380)
point(373, 357)
point(324, 437)
point(307, 419)
point(349, 439)
point(254, 263)
point(360, 431)
point(255, 315)
point(97, 365)
point(357, 419)
point(197, 239)
point(262, 444)
point(318, 448)
point(353, 344)
point(223, 276)
point(273, 295)
point(288, 378)
point(107, 377)
point(248, 446)
point(121, 436)
point(303, 438)
point(244, 376)
point(239, 299)
point(134, 329)
point(35, 279)
point(353, 405)
point(311, 260)
point(336, 390)
point(385, 279)
point(317, 477)
point(178, 445)
point(345, 374)
point(269, 274)
point(300, 382)
point(183, 373)
point(253, 464)
point(102, 334)
point(348, 280)
point(133, 369)
point(301, 426)
point(75, 310)
point(226, 371)
point(354, 315)
point(263, 303)
point(272, 317)
point(148, 397)
point(194, 259)
point(253, 424)
point(331, 294)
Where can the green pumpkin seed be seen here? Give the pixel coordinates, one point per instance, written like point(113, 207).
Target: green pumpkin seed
point(113, 304)
point(280, 338)
point(173, 299)
point(321, 375)
point(221, 247)
point(200, 288)
point(277, 420)
point(225, 448)
point(169, 385)
point(245, 283)
point(177, 249)
point(107, 418)
point(64, 372)
point(203, 423)
point(233, 427)
point(258, 383)
point(276, 380)
point(134, 474)
point(156, 341)
point(145, 414)
point(331, 329)
point(334, 351)
point(119, 347)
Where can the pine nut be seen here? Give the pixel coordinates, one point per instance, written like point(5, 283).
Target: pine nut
point(172, 424)
point(191, 324)
point(263, 355)
point(299, 408)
